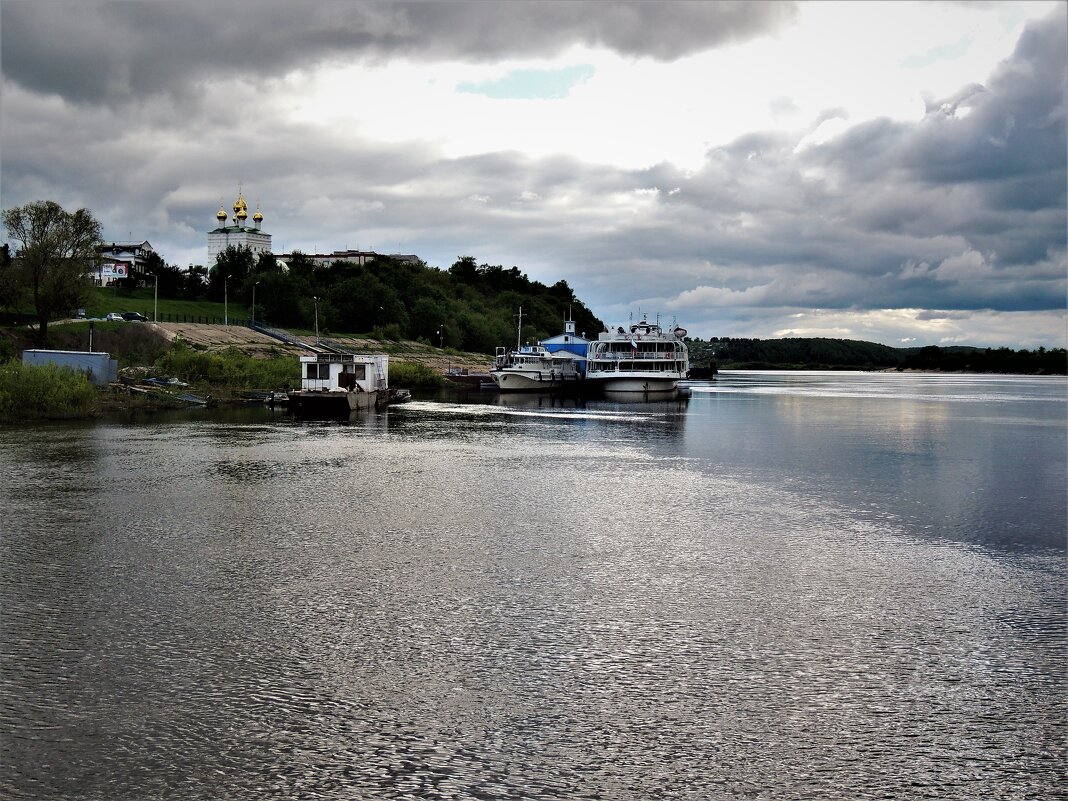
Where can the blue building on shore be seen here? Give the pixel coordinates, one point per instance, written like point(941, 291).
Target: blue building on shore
point(570, 342)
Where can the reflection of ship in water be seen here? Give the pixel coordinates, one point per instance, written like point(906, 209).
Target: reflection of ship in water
point(538, 400)
point(678, 396)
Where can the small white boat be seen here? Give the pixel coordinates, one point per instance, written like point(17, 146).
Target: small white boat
point(531, 368)
point(643, 358)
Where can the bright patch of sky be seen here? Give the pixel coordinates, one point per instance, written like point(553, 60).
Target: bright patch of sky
point(531, 84)
point(866, 60)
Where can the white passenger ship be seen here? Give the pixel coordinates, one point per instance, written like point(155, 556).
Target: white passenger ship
point(644, 358)
point(532, 368)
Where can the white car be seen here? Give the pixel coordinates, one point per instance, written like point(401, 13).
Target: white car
point(114, 317)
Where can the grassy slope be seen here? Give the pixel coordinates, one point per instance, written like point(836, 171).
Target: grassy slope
point(108, 299)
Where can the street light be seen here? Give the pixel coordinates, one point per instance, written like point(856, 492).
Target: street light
point(226, 315)
point(441, 336)
point(155, 300)
point(254, 285)
point(316, 319)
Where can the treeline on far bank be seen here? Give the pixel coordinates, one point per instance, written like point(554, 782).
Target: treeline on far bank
point(846, 354)
point(469, 306)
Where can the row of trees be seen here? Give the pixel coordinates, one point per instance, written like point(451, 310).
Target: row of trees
point(815, 353)
point(988, 360)
point(469, 306)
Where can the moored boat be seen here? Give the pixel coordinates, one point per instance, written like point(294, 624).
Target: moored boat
point(336, 383)
point(643, 358)
point(532, 368)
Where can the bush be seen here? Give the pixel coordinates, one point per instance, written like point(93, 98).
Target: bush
point(413, 374)
point(229, 368)
point(29, 392)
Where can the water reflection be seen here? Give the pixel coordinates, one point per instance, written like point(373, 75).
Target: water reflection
point(748, 595)
point(978, 459)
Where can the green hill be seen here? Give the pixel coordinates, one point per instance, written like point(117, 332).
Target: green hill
point(471, 307)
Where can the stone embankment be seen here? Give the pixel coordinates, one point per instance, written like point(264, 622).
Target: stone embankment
point(254, 343)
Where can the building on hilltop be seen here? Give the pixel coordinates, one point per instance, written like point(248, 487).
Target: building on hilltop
point(121, 260)
point(360, 257)
point(238, 234)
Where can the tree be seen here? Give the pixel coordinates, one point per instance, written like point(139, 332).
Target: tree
point(465, 270)
point(232, 266)
point(167, 276)
point(7, 295)
point(57, 250)
point(194, 281)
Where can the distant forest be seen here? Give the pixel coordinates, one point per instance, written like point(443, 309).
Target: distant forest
point(847, 354)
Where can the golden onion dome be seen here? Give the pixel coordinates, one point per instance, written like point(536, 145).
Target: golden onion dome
point(258, 217)
point(220, 215)
point(240, 207)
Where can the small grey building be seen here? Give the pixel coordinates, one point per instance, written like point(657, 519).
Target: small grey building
point(100, 367)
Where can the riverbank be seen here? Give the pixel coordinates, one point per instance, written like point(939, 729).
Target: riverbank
point(217, 363)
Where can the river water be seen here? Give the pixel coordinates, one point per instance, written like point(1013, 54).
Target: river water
point(787, 586)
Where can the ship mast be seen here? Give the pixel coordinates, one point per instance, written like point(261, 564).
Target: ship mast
point(519, 336)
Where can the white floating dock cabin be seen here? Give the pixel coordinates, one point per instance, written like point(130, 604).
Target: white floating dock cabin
point(334, 382)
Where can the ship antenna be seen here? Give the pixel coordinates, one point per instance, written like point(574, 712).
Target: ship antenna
point(519, 336)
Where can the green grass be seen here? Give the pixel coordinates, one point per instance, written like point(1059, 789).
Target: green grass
point(109, 299)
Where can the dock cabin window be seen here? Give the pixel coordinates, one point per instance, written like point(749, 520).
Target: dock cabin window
point(318, 371)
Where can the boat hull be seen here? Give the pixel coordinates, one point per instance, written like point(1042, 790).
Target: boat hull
point(636, 383)
point(524, 381)
point(333, 404)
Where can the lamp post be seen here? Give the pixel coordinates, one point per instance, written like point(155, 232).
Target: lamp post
point(226, 306)
point(316, 319)
point(441, 336)
point(254, 285)
point(155, 300)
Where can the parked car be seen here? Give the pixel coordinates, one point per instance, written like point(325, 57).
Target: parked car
point(134, 317)
point(115, 317)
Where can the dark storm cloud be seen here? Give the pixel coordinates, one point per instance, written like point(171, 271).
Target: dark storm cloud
point(127, 49)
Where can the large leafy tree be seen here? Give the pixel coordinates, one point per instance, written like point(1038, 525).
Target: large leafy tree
point(194, 282)
point(232, 267)
point(56, 251)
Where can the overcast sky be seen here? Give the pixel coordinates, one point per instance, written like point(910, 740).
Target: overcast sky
point(889, 172)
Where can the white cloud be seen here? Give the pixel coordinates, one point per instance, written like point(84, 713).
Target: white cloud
point(970, 265)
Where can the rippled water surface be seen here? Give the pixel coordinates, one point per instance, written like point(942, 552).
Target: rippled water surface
point(788, 586)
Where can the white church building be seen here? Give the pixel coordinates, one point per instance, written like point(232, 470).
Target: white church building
point(238, 234)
